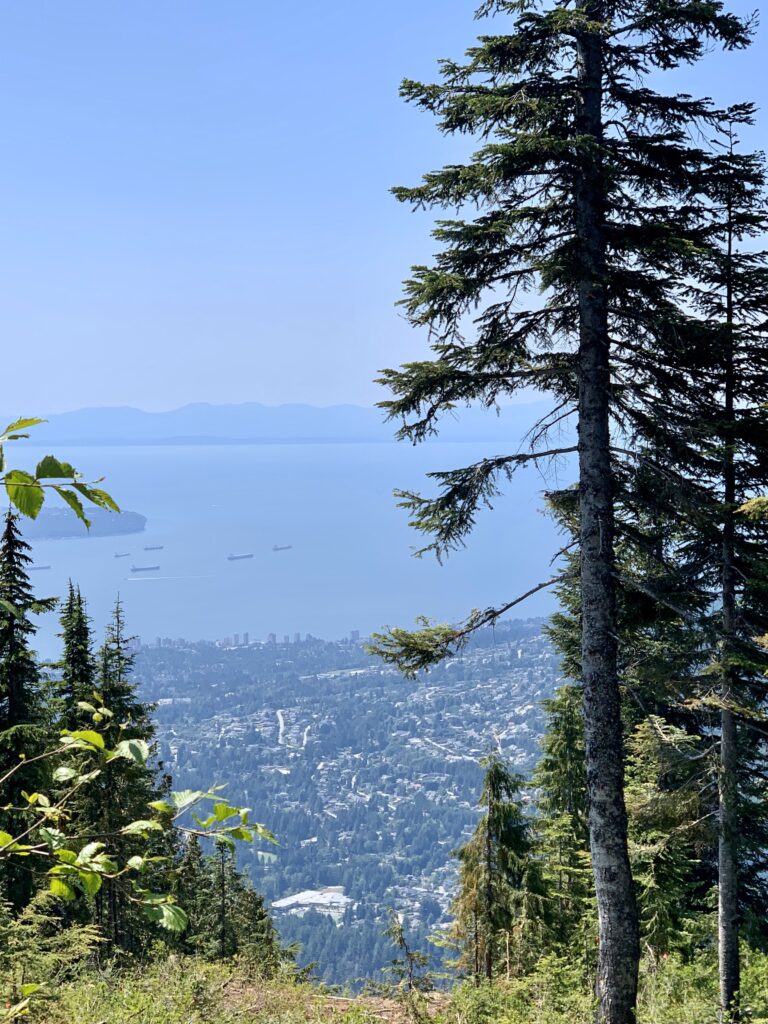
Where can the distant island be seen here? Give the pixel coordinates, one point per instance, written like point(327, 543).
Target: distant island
point(61, 523)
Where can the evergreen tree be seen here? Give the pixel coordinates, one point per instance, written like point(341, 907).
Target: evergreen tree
point(227, 917)
point(560, 785)
point(500, 891)
point(733, 297)
point(124, 791)
point(78, 665)
point(667, 829)
point(24, 718)
point(588, 187)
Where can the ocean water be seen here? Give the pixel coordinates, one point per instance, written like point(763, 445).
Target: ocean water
point(350, 566)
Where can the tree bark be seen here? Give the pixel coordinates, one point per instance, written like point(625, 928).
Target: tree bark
point(728, 884)
point(618, 955)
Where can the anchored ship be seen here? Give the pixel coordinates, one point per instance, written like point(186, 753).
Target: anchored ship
point(155, 547)
point(144, 568)
point(237, 558)
point(122, 554)
point(38, 568)
point(282, 547)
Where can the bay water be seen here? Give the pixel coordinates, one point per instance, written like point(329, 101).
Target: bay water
point(348, 563)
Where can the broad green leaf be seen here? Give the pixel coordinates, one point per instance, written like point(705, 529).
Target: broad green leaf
point(85, 706)
point(64, 774)
point(141, 827)
point(29, 989)
point(186, 797)
point(94, 739)
point(263, 833)
point(67, 856)
point(88, 852)
point(135, 863)
point(74, 503)
point(22, 424)
point(163, 806)
point(240, 833)
point(5, 839)
point(97, 497)
point(61, 889)
point(24, 492)
point(222, 811)
point(49, 468)
point(132, 750)
point(89, 881)
point(168, 915)
point(52, 837)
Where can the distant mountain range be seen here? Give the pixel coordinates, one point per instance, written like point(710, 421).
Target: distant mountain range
point(251, 422)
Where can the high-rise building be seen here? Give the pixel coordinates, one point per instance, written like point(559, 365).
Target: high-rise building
point(354, 636)
point(271, 638)
point(286, 639)
point(297, 638)
point(246, 638)
point(237, 639)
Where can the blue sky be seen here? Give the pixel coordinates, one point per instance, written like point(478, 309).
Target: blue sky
point(194, 195)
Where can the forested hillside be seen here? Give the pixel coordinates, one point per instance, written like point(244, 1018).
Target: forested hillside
point(369, 780)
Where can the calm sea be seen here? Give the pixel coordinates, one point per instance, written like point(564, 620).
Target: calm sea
point(350, 564)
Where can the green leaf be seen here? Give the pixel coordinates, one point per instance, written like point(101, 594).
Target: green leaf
point(240, 833)
point(184, 798)
point(49, 468)
point(132, 750)
point(5, 839)
point(52, 837)
point(163, 806)
point(168, 915)
point(29, 989)
point(22, 424)
point(88, 852)
point(24, 492)
point(64, 774)
point(89, 881)
point(135, 863)
point(61, 889)
point(141, 827)
point(97, 496)
point(222, 811)
point(74, 503)
point(94, 739)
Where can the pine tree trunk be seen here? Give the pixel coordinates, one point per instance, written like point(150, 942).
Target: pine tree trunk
point(617, 913)
point(728, 888)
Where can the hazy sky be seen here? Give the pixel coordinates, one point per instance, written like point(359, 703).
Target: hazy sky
point(194, 195)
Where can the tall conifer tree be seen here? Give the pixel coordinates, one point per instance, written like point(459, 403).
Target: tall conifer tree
point(584, 187)
point(78, 664)
point(24, 718)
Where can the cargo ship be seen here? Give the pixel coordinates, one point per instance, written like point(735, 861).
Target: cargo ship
point(122, 554)
point(155, 547)
point(38, 568)
point(144, 568)
point(282, 547)
point(238, 558)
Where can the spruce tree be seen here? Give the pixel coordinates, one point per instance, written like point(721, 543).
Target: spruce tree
point(562, 841)
point(500, 891)
point(78, 664)
point(124, 790)
point(25, 723)
point(732, 295)
point(584, 188)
